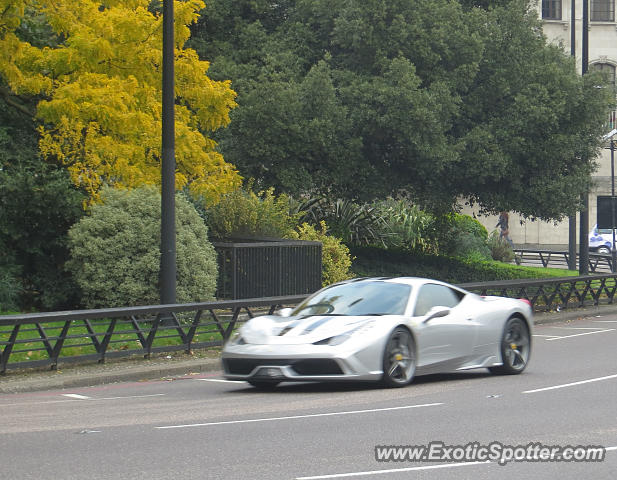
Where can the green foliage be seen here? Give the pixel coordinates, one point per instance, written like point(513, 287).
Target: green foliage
point(39, 204)
point(461, 236)
point(353, 223)
point(246, 214)
point(115, 252)
point(336, 260)
point(9, 285)
point(372, 261)
point(358, 99)
point(408, 227)
point(500, 248)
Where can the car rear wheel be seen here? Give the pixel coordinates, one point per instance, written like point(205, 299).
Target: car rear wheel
point(399, 359)
point(263, 384)
point(515, 348)
point(604, 250)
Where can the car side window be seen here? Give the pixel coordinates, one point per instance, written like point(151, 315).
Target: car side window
point(433, 295)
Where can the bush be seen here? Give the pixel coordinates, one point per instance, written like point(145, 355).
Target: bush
point(245, 214)
point(407, 226)
point(336, 260)
point(354, 224)
point(501, 250)
point(461, 236)
point(115, 252)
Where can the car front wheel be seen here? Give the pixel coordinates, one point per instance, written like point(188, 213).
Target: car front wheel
point(515, 348)
point(604, 250)
point(399, 359)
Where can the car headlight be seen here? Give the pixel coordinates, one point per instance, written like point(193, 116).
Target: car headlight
point(236, 339)
point(343, 337)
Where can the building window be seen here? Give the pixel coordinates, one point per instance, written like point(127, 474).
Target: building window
point(602, 10)
point(551, 9)
point(607, 69)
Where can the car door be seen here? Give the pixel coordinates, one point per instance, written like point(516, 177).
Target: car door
point(446, 339)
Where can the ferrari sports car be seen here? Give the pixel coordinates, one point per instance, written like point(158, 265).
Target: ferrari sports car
point(382, 329)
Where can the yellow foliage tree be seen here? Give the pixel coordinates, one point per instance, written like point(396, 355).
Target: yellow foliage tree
point(100, 93)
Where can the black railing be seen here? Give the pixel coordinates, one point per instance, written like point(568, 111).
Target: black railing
point(598, 262)
point(554, 293)
point(46, 339)
point(40, 339)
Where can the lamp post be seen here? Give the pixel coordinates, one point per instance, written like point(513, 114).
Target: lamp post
point(167, 273)
point(613, 248)
point(572, 218)
point(583, 263)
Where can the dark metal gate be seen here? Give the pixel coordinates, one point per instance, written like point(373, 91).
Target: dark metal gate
point(268, 268)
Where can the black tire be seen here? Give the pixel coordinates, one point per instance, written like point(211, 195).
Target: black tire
point(515, 348)
point(604, 250)
point(399, 359)
point(263, 384)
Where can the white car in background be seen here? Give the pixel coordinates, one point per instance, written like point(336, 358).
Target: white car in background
point(600, 240)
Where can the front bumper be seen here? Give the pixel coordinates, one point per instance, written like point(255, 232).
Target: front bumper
point(299, 363)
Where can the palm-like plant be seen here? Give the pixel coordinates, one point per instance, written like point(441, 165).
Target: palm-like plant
point(354, 224)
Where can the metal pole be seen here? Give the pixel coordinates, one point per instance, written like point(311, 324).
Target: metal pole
point(572, 218)
point(167, 273)
point(613, 249)
point(573, 28)
point(583, 264)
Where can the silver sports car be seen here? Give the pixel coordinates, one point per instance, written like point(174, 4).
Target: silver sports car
point(382, 329)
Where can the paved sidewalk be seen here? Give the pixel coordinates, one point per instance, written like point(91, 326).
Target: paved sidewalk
point(174, 365)
point(162, 366)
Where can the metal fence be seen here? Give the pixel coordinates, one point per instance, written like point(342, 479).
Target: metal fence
point(47, 339)
point(40, 339)
point(598, 263)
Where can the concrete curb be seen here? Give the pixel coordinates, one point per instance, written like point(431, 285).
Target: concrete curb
point(99, 375)
point(139, 370)
point(570, 314)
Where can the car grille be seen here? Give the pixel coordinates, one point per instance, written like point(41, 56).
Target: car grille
point(305, 366)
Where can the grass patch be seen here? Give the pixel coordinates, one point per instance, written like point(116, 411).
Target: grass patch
point(30, 345)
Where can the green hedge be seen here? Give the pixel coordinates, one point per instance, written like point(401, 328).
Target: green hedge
point(372, 261)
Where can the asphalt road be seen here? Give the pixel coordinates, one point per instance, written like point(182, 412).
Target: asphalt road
point(206, 428)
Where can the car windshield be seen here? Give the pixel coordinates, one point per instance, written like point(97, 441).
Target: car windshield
point(358, 298)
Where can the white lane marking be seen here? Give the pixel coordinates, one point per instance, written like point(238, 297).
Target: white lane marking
point(581, 334)
point(598, 379)
point(74, 399)
point(604, 321)
point(74, 395)
point(393, 470)
point(550, 336)
point(131, 396)
point(219, 380)
point(576, 328)
point(608, 449)
point(293, 417)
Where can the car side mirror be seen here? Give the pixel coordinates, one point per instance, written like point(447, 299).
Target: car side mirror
point(436, 312)
point(284, 312)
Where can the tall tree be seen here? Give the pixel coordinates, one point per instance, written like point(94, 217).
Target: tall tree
point(436, 98)
point(100, 91)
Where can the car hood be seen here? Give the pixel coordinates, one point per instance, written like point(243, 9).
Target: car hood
point(271, 329)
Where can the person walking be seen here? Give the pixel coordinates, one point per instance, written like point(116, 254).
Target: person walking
point(504, 228)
